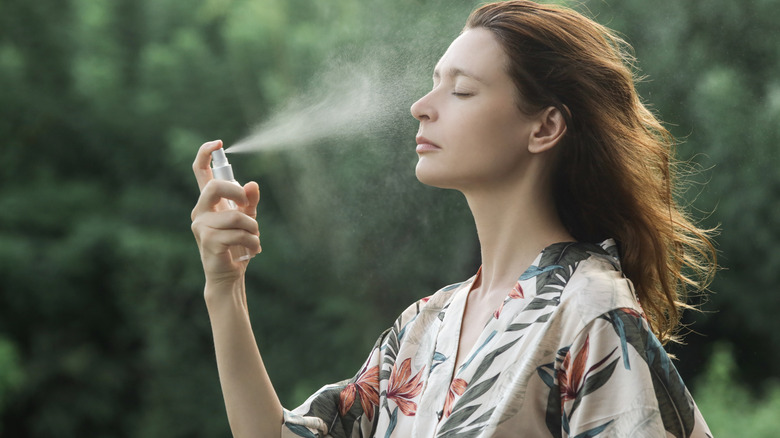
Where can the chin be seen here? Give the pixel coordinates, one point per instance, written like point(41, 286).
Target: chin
point(424, 175)
point(432, 177)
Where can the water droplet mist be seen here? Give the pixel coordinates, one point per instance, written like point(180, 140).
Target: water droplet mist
point(343, 104)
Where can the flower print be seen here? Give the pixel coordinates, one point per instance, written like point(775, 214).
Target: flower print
point(572, 375)
point(516, 293)
point(458, 387)
point(367, 385)
point(402, 389)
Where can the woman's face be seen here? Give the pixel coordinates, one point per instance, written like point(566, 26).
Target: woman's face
point(472, 134)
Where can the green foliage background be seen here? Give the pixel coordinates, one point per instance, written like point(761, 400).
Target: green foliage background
point(103, 331)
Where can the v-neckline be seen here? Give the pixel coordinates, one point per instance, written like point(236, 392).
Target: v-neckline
point(481, 340)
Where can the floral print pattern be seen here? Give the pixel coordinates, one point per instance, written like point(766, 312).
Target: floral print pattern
point(366, 386)
point(457, 388)
point(402, 388)
point(568, 353)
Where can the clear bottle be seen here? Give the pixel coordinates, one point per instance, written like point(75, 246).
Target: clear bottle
point(222, 170)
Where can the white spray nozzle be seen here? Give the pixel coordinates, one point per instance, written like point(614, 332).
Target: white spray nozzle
point(220, 166)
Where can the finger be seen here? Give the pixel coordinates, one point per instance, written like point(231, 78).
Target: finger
point(201, 166)
point(217, 241)
point(227, 220)
point(214, 192)
point(215, 230)
point(252, 191)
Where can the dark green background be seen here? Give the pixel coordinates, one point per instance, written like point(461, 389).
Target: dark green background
point(103, 330)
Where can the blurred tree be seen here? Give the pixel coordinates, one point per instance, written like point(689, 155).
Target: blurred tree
point(729, 407)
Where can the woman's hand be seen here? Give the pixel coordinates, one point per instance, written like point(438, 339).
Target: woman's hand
point(217, 227)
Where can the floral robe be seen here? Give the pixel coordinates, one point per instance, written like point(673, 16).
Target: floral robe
point(568, 353)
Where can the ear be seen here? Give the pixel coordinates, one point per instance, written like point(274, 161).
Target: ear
point(549, 127)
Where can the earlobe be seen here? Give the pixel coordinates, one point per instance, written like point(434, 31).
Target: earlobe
point(549, 128)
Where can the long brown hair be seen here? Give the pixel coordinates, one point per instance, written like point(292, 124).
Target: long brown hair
point(616, 175)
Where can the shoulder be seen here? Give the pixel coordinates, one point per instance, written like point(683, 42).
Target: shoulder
point(597, 285)
point(431, 307)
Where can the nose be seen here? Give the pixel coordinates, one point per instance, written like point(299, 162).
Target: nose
point(423, 109)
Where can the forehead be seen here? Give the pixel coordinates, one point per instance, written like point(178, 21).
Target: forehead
point(475, 52)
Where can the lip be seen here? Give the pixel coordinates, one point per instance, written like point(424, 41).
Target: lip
point(425, 145)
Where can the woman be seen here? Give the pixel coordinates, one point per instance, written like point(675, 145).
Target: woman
point(533, 116)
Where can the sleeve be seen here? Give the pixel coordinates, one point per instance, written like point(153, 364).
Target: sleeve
point(350, 408)
point(616, 379)
point(338, 409)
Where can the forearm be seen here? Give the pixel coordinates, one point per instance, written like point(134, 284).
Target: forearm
point(253, 407)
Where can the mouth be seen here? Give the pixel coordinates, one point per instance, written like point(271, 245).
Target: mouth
point(425, 145)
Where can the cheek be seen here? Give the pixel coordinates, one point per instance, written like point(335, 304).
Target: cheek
point(492, 132)
point(492, 116)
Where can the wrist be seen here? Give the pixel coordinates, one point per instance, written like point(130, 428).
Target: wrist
point(225, 291)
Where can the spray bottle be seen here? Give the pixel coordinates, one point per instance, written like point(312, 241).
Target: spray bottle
point(222, 170)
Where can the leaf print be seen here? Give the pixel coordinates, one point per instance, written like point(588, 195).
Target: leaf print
point(402, 389)
point(325, 406)
point(553, 416)
point(438, 359)
point(620, 329)
point(393, 422)
point(473, 355)
point(595, 431)
point(676, 407)
point(452, 286)
point(461, 412)
point(456, 388)
point(476, 391)
point(534, 271)
point(595, 381)
point(489, 358)
point(522, 326)
point(546, 374)
point(457, 420)
point(299, 430)
point(367, 387)
point(572, 376)
point(540, 303)
point(566, 256)
point(469, 430)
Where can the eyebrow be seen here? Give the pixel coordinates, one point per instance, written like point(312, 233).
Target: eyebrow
point(454, 72)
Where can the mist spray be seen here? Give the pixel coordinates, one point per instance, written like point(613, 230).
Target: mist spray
point(222, 170)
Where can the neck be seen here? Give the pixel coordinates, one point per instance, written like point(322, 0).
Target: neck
point(514, 223)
